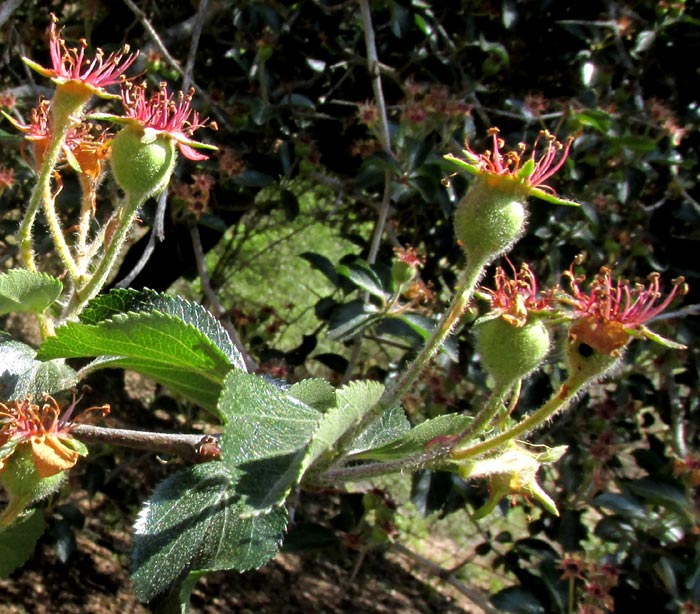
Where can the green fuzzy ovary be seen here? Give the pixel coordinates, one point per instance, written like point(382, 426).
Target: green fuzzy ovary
point(489, 220)
point(509, 353)
point(142, 164)
point(21, 479)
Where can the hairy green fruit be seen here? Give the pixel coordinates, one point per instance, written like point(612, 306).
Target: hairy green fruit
point(509, 352)
point(142, 161)
point(489, 220)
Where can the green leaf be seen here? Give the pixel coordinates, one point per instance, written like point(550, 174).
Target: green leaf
point(353, 402)
point(21, 374)
point(164, 347)
point(27, 291)
point(424, 327)
point(351, 318)
point(316, 392)
point(18, 541)
point(121, 301)
point(414, 441)
point(391, 425)
point(266, 433)
point(195, 520)
point(517, 601)
point(362, 275)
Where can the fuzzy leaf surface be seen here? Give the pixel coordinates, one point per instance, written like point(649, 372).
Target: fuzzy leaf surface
point(195, 520)
point(353, 402)
point(266, 434)
point(27, 291)
point(159, 345)
point(17, 542)
point(120, 301)
point(414, 441)
point(22, 374)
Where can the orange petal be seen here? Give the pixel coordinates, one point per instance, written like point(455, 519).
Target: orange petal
point(51, 455)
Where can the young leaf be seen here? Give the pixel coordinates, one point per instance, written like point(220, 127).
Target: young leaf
point(316, 392)
point(27, 291)
point(165, 347)
point(391, 425)
point(195, 520)
point(414, 441)
point(21, 374)
point(354, 401)
point(121, 301)
point(266, 433)
point(17, 542)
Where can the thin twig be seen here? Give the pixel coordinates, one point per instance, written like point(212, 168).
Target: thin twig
point(214, 302)
point(186, 446)
point(384, 136)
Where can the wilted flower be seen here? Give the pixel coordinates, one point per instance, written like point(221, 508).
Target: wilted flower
point(610, 313)
point(513, 171)
point(84, 150)
point(72, 71)
point(44, 430)
point(515, 298)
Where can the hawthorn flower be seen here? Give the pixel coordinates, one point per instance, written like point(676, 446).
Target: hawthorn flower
point(72, 72)
point(515, 172)
point(43, 431)
point(612, 312)
point(166, 114)
point(515, 298)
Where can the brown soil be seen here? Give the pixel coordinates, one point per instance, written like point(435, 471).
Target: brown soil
point(95, 581)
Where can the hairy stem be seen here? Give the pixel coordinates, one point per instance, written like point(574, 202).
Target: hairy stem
point(101, 274)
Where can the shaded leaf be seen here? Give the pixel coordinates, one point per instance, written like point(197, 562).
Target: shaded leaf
point(267, 431)
point(195, 520)
point(362, 275)
point(21, 374)
point(17, 542)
